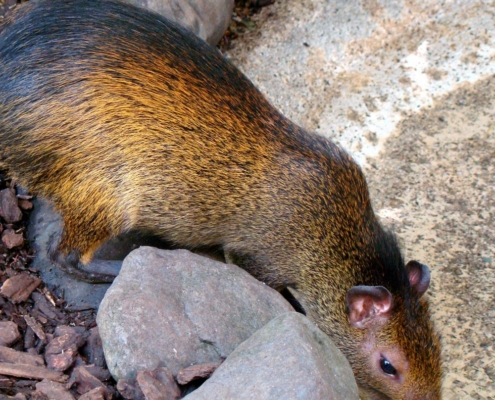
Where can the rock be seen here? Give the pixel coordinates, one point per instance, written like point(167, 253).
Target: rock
point(208, 19)
point(176, 309)
point(289, 358)
point(54, 390)
point(158, 384)
point(9, 210)
point(9, 333)
point(18, 288)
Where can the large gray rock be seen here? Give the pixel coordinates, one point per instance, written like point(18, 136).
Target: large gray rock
point(176, 309)
point(208, 19)
point(289, 358)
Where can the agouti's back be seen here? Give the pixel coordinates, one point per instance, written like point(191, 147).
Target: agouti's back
point(101, 103)
point(125, 120)
point(116, 97)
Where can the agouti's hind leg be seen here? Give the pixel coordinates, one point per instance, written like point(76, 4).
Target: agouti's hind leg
point(97, 271)
point(66, 252)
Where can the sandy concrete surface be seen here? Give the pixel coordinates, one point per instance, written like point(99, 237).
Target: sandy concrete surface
point(408, 88)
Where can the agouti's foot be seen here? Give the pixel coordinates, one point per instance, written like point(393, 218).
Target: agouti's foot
point(97, 271)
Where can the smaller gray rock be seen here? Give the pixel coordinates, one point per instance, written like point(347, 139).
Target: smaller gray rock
point(176, 309)
point(208, 19)
point(289, 358)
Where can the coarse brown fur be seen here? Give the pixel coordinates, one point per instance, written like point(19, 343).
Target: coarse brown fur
point(124, 120)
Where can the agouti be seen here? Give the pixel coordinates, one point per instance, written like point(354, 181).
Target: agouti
point(125, 120)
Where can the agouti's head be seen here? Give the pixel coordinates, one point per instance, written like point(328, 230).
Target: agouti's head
point(398, 353)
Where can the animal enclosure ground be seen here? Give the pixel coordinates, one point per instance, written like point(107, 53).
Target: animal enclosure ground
point(434, 183)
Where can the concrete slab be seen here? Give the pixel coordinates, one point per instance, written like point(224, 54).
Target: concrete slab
point(408, 88)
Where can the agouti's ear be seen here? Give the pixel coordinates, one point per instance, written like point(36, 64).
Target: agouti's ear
point(368, 305)
point(419, 276)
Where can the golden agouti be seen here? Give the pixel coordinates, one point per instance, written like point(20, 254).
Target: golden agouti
point(125, 120)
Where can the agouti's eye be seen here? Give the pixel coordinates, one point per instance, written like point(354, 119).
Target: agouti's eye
point(387, 367)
